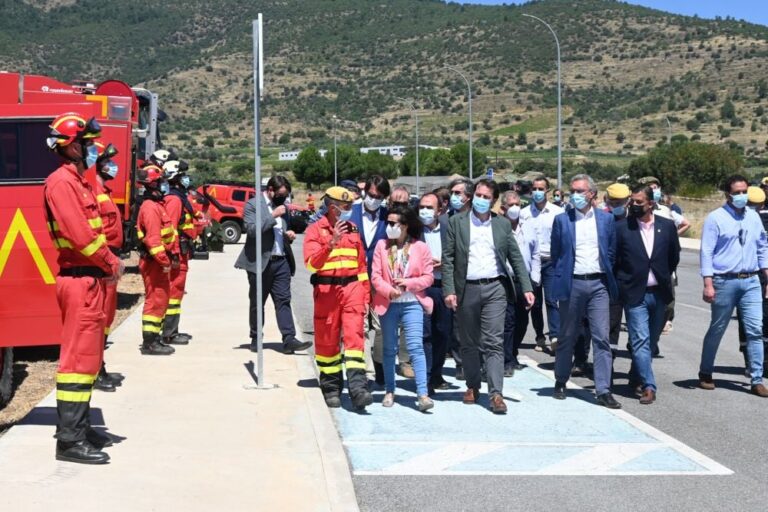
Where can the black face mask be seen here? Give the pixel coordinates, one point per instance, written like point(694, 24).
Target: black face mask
point(279, 200)
point(636, 210)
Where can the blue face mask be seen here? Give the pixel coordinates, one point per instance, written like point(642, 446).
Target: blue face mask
point(619, 211)
point(538, 196)
point(481, 204)
point(657, 194)
point(91, 155)
point(165, 188)
point(345, 215)
point(579, 200)
point(110, 170)
point(456, 203)
point(427, 215)
point(739, 200)
point(185, 181)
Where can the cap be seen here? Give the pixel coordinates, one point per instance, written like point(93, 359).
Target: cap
point(618, 191)
point(349, 184)
point(764, 181)
point(647, 180)
point(339, 194)
point(755, 195)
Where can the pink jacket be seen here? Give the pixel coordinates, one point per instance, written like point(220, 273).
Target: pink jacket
point(419, 275)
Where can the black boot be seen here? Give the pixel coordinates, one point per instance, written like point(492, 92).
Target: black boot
point(103, 382)
point(81, 452)
point(175, 340)
point(153, 347)
point(97, 439)
point(358, 388)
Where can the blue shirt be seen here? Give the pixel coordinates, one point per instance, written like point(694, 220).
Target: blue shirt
point(435, 244)
point(732, 242)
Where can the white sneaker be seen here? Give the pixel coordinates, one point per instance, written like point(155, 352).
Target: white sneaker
point(667, 328)
point(553, 345)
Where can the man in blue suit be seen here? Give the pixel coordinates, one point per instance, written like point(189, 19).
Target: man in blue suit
point(583, 252)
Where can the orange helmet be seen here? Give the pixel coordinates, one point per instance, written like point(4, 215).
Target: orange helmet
point(69, 127)
point(150, 175)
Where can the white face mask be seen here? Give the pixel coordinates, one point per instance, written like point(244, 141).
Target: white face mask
point(427, 215)
point(514, 212)
point(394, 232)
point(372, 204)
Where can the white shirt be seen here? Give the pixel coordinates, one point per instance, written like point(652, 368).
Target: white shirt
point(587, 247)
point(435, 244)
point(665, 212)
point(541, 221)
point(277, 247)
point(482, 262)
point(370, 225)
point(406, 296)
point(647, 234)
point(529, 246)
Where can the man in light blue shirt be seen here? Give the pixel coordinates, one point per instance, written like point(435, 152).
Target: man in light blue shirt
point(733, 252)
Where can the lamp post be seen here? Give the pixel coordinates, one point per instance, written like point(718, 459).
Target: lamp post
point(335, 166)
point(559, 105)
point(669, 130)
point(416, 119)
point(469, 96)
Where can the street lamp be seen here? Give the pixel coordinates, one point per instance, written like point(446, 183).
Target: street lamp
point(469, 95)
point(669, 130)
point(416, 118)
point(559, 106)
point(335, 167)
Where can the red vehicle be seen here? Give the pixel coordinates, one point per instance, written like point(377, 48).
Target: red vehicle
point(29, 314)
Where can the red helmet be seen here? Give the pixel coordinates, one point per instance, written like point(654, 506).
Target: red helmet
point(70, 127)
point(150, 175)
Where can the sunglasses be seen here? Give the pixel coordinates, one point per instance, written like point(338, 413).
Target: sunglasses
point(393, 223)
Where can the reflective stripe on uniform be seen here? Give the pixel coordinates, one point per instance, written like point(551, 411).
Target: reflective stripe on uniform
point(328, 364)
point(150, 318)
point(156, 250)
point(73, 396)
point(75, 378)
point(362, 277)
point(139, 233)
point(354, 359)
point(107, 331)
point(94, 246)
point(344, 251)
point(150, 323)
point(334, 265)
point(95, 223)
point(63, 243)
point(102, 198)
point(166, 231)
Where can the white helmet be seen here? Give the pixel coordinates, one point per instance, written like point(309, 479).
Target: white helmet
point(160, 156)
point(172, 170)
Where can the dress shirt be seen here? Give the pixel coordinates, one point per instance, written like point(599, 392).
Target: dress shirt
point(370, 225)
point(541, 221)
point(733, 242)
point(587, 247)
point(277, 247)
point(528, 243)
point(435, 244)
point(648, 236)
point(482, 262)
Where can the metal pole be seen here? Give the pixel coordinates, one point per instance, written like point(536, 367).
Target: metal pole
point(669, 130)
point(335, 166)
point(416, 117)
point(559, 105)
point(469, 96)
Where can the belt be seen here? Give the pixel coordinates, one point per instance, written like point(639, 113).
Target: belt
point(589, 277)
point(485, 280)
point(651, 289)
point(437, 283)
point(82, 272)
point(337, 281)
point(277, 257)
point(738, 275)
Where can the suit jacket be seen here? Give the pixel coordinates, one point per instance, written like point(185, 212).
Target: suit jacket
point(563, 251)
point(442, 221)
point(633, 264)
point(456, 255)
point(418, 276)
point(381, 231)
point(247, 258)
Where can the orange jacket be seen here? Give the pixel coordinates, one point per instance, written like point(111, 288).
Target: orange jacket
point(76, 227)
point(176, 211)
point(346, 259)
point(110, 215)
point(156, 232)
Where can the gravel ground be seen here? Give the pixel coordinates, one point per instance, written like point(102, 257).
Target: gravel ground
point(34, 368)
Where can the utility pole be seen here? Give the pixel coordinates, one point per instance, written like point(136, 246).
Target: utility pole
point(469, 97)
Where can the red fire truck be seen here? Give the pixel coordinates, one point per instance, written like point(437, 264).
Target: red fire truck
point(29, 314)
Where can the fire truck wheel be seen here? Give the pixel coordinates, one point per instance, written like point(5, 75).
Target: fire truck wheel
point(231, 231)
point(6, 375)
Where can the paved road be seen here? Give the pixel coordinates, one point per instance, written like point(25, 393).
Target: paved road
point(721, 431)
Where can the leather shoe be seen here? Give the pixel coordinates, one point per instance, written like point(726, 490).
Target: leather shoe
point(253, 347)
point(289, 347)
point(176, 340)
point(188, 337)
point(559, 393)
point(706, 382)
point(103, 383)
point(97, 439)
point(362, 399)
point(81, 452)
point(497, 404)
point(470, 396)
point(406, 370)
point(607, 400)
point(156, 349)
point(760, 390)
point(649, 396)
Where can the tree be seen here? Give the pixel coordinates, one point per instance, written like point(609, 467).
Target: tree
point(460, 155)
point(572, 142)
point(310, 167)
point(284, 139)
point(522, 139)
point(620, 137)
point(728, 110)
point(347, 163)
point(208, 142)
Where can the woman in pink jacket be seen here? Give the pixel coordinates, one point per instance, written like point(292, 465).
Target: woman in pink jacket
point(402, 271)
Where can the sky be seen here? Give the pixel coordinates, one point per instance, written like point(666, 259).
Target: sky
point(755, 11)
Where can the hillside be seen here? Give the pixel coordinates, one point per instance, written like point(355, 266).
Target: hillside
point(625, 68)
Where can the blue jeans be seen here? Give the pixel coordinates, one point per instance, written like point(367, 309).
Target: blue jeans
point(645, 321)
point(746, 295)
point(411, 316)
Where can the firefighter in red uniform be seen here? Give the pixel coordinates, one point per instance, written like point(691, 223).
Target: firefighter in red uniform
point(181, 213)
point(159, 252)
point(335, 255)
point(84, 260)
point(106, 170)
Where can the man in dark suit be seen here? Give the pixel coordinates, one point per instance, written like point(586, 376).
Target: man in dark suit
point(477, 285)
point(277, 262)
point(583, 251)
point(647, 253)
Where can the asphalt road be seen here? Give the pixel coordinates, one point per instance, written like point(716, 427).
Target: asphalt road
point(727, 425)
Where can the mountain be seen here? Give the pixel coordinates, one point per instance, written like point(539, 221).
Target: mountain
point(624, 68)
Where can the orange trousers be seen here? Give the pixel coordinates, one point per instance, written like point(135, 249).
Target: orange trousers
point(178, 278)
point(157, 289)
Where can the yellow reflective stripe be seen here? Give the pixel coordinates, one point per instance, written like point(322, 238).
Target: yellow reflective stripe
point(102, 198)
point(187, 226)
point(63, 243)
point(53, 226)
point(354, 365)
point(94, 246)
point(107, 331)
point(95, 223)
point(75, 378)
point(73, 396)
point(310, 267)
point(156, 250)
point(329, 369)
point(353, 353)
point(344, 251)
point(172, 311)
point(333, 265)
point(151, 328)
point(362, 277)
point(150, 318)
point(166, 231)
point(140, 234)
point(328, 359)
point(174, 301)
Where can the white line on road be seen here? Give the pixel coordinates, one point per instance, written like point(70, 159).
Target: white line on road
point(599, 459)
point(439, 460)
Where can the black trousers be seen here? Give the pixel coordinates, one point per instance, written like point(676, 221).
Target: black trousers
point(276, 282)
point(515, 326)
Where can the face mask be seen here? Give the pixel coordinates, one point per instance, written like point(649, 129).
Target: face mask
point(456, 202)
point(739, 200)
point(538, 196)
point(278, 200)
point(636, 210)
point(619, 211)
point(481, 204)
point(657, 194)
point(165, 188)
point(185, 181)
point(371, 204)
point(344, 215)
point(110, 170)
point(91, 155)
point(513, 212)
point(427, 215)
point(394, 232)
point(556, 199)
point(141, 190)
point(579, 200)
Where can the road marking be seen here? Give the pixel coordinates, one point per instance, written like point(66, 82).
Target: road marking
point(442, 458)
point(599, 458)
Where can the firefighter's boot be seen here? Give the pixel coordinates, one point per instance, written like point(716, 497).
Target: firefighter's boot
point(358, 388)
point(81, 452)
point(175, 340)
point(103, 382)
point(331, 385)
point(153, 347)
